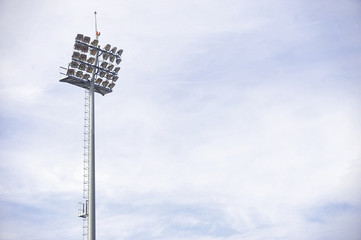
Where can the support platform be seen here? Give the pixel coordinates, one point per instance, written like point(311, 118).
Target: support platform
point(85, 84)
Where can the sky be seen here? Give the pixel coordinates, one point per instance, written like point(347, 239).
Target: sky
point(230, 120)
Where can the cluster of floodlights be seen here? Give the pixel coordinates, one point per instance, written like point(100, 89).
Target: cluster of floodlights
point(89, 58)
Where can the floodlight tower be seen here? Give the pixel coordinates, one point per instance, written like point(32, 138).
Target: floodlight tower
point(95, 70)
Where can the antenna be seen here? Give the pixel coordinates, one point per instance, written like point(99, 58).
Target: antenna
point(97, 34)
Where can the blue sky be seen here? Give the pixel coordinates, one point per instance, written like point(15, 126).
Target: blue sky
point(230, 120)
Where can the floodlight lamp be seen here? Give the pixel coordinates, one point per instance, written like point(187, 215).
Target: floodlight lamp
point(111, 85)
point(112, 58)
point(114, 49)
point(93, 51)
point(74, 64)
point(110, 67)
point(78, 46)
point(70, 72)
point(76, 55)
point(95, 42)
point(116, 70)
point(118, 60)
point(82, 66)
point(98, 81)
point(84, 48)
point(107, 47)
point(102, 74)
point(79, 74)
point(104, 64)
point(91, 60)
point(109, 76)
point(105, 56)
point(79, 37)
point(105, 83)
point(86, 76)
point(115, 78)
point(83, 57)
point(119, 53)
point(86, 39)
point(90, 69)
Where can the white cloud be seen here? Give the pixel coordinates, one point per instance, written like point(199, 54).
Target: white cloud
point(230, 120)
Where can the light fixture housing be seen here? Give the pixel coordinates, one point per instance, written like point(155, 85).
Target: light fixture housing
point(120, 52)
point(79, 37)
point(86, 39)
point(98, 81)
point(107, 47)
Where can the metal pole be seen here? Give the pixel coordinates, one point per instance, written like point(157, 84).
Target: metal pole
point(91, 216)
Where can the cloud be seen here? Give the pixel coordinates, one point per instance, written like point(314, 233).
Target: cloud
point(230, 120)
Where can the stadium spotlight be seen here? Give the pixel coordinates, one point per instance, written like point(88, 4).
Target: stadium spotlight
point(104, 64)
point(98, 81)
point(107, 47)
point(119, 53)
point(110, 67)
point(87, 70)
point(95, 42)
point(86, 39)
point(111, 85)
point(93, 51)
point(114, 49)
point(79, 37)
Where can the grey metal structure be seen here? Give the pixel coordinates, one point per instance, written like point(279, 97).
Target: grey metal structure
point(95, 70)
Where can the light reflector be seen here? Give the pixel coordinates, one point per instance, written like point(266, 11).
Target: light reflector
point(105, 56)
point(74, 64)
point(79, 37)
point(110, 67)
point(105, 83)
point(114, 49)
point(77, 46)
point(107, 47)
point(93, 51)
point(116, 70)
point(91, 60)
point(109, 76)
point(104, 64)
point(120, 51)
point(95, 42)
point(102, 74)
point(79, 74)
point(111, 85)
point(98, 81)
point(86, 76)
point(70, 72)
point(86, 39)
point(90, 69)
point(82, 57)
point(76, 55)
point(82, 66)
point(84, 48)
